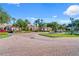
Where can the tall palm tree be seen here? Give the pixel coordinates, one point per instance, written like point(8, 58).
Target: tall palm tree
point(76, 25)
point(39, 23)
point(27, 24)
point(26, 20)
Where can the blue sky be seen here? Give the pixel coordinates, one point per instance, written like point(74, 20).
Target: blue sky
point(47, 11)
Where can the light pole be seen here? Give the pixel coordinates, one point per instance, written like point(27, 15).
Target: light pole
point(72, 27)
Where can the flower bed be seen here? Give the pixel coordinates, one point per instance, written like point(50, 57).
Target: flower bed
point(2, 30)
point(3, 34)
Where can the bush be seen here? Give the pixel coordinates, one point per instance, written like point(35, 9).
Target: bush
point(3, 33)
point(2, 30)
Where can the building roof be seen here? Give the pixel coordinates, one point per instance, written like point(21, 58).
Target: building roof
point(5, 24)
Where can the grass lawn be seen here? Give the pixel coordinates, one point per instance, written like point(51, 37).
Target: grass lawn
point(3, 35)
point(58, 35)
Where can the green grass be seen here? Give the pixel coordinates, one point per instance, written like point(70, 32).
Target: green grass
point(3, 35)
point(59, 35)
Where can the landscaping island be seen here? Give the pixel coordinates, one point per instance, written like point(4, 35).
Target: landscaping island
point(3, 35)
point(58, 34)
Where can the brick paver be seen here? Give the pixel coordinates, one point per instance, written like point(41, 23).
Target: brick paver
point(32, 44)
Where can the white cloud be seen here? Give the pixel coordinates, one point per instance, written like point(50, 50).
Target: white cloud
point(13, 3)
point(76, 18)
point(33, 18)
point(64, 21)
point(72, 10)
point(54, 16)
point(17, 4)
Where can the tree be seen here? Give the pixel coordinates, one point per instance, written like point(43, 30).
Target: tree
point(76, 25)
point(27, 22)
point(4, 16)
point(72, 26)
point(53, 25)
point(39, 23)
point(22, 24)
point(62, 27)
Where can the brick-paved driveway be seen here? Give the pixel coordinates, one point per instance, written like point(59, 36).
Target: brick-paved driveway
point(28, 44)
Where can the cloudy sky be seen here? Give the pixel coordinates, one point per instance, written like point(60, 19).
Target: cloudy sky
point(59, 12)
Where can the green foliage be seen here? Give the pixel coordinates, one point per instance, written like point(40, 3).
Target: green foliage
point(4, 17)
point(53, 25)
point(22, 24)
point(27, 22)
point(76, 24)
point(3, 35)
point(39, 22)
point(58, 35)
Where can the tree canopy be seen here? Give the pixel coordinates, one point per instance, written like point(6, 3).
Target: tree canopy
point(4, 16)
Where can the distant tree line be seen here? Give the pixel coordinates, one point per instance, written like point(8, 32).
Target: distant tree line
point(23, 24)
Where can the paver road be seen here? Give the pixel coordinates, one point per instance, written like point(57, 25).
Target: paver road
point(32, 44)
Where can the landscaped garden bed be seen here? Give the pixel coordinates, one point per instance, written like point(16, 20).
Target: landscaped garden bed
point(3, 35)
point(58, 34)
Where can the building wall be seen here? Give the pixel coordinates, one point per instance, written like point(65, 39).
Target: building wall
point(35, 28)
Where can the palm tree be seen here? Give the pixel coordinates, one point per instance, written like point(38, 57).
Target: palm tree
point(27, 22)
point(76, 24)
point(39, 23)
